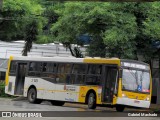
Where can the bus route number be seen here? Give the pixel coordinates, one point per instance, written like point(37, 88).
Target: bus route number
point(34, 80)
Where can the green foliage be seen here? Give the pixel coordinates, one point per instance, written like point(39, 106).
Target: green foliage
point(2, 89)
point(16, 14)
point(44, 38)
point(49, 17)
point(152, 23)
point(108, 23)
point(122, 29)
point(116, 29)
point(97, 48)
point(146, 18)
point(30, 36)
point(79, 18)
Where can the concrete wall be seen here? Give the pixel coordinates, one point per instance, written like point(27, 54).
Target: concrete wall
point(46, 50)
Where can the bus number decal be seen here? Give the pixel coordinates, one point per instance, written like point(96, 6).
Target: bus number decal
point(34, 80)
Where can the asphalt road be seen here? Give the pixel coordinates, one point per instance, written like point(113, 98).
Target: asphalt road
point(67, 112)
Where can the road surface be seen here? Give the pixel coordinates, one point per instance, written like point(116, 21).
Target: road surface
point(68, 111)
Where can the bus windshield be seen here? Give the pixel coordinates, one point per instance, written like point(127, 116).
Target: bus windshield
point(136, 80)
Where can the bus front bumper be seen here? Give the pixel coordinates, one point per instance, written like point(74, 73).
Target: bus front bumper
point(133, 102)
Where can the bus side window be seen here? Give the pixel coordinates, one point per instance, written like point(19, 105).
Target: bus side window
point(31, 66)
point(49, 67)
point(94, 74)
point(61, 68)
point(61, 76)
point(38, 67)
point(35, 69)
point(44, 68)
point(78, 73)
point(13, 67)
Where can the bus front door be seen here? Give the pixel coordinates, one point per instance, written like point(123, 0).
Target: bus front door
point(110, 83)
point(20, 78)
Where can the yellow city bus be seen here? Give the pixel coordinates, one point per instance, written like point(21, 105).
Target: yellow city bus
point(92, 81)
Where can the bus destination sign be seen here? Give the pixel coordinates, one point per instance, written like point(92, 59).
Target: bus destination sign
point(134, 65)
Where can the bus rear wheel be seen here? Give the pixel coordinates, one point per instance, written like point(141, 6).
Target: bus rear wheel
point(92, 101)
point(32, 96)
point(57, 103)
point(120, 108)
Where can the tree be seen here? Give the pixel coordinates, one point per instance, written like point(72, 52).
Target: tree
point(76, 19)
point(1, 4)
point(116, 29)
point(21, 20)
point(109, 25)
point(97, 48)
point(30, 36)
point(121, 31)
point(14, 17)
point(50, 17)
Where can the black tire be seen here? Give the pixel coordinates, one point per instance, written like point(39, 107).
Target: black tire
point(57, 103)
point(38, 101)
point(32, 96)
point(120, 108)
point(91, 101)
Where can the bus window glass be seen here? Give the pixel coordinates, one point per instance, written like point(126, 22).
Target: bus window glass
point(49, 67)
point(95, 69)
point(94, 75)
point(80, 79)
point(44, 68)
point(79, 69)
point(13, 67)
point(135, 80)
point(67, 68)
point(63, 75)
point(61, 68)
point(78, 73)
point(35, 66)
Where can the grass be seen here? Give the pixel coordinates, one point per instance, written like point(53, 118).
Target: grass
point(2, 90)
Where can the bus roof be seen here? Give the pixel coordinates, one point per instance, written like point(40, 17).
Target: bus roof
point(68, 59)
point(71, 59)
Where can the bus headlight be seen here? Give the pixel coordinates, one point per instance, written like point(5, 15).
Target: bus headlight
point(147, 99)
point(123, 95)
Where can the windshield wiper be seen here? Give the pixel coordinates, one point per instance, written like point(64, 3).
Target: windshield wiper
point(141, 78)
point(135, 77)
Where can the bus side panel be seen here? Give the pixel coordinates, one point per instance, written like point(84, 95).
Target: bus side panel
point(71, 93)
point(10, 87)
point(66, 92)
point(51, 91)
point(60, 92)
point(38, 83)
point(49, 88)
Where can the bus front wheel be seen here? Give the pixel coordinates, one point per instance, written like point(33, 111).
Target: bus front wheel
point(92, 101)
point(32, 96)
point(120, 108)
